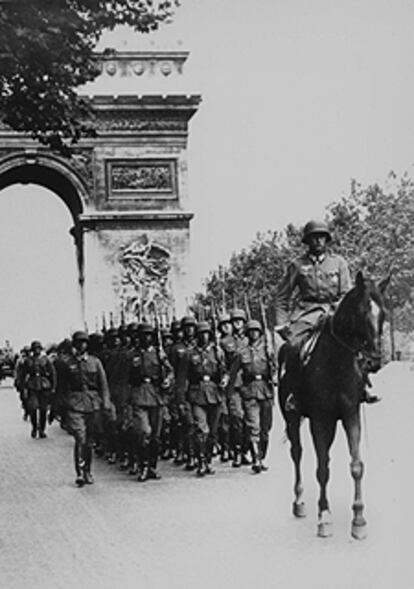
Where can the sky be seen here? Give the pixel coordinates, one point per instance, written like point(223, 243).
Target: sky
point(298, 98)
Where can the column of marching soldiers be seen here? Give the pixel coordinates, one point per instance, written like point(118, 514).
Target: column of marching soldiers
point(193, 393)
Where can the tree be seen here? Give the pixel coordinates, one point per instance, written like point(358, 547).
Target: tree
point(47, 52)
point(371, 228)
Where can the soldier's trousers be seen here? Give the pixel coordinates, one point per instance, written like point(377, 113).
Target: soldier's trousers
point(236, 419)
point(147, 424)
point(82, 426)
point(259, 420)
point(206, 422)
point(37, 405)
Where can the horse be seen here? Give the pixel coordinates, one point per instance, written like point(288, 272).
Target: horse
point(331, 390)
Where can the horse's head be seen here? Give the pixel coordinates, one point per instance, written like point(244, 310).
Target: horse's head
point(360, 317)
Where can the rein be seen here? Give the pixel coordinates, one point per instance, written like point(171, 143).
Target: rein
point(340, 341)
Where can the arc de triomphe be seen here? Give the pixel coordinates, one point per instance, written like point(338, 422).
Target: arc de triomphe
point(126, 189)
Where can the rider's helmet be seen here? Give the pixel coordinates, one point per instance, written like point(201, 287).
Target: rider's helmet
point(313, 227)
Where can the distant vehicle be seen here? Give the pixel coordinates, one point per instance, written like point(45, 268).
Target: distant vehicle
point(7, 361)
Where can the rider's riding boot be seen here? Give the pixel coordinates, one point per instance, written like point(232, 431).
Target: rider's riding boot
point(369, 398)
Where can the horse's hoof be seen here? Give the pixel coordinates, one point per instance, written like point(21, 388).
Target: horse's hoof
point(325, 530)
point(325, 525)
point(299, 509)
point(359, 532)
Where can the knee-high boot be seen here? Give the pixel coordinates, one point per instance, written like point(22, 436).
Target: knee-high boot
point(33, 421)
point(87, 474)
point(79, 463)
point(257, 458)
point(42, 423)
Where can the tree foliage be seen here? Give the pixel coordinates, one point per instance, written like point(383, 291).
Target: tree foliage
point(372, 228)
point(47, 51)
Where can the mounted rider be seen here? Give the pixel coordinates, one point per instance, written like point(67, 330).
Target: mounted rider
point(310, 290)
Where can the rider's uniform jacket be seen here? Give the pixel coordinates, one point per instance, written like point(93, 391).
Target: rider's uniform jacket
point(253, 366)
point(83, 383)
point(205, 370)
point(312, 283)
point(146, 375)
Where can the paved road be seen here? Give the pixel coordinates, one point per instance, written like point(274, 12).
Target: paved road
point(231, 530)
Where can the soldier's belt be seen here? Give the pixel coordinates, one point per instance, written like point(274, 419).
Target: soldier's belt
point(320, 300)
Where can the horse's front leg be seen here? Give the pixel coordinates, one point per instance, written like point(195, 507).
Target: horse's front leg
point(352, 428)
point(293, 433)
point(323, 435)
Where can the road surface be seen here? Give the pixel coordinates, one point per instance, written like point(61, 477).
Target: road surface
point(231, 530)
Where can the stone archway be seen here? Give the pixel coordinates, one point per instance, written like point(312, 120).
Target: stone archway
point(126, 190)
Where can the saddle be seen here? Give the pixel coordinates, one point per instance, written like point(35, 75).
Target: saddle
point(308, 345)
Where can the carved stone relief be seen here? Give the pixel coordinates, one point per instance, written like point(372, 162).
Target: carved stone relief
point(145, 279)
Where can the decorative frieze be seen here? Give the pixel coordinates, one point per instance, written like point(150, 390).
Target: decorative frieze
point(138, 178)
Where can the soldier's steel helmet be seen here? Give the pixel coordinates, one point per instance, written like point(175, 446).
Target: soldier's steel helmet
point(224, 318)
point(80, 336)
point(176, 325)
point(36, 344)
point(238, 314)
point(188, 320)
point(313, 227)
point(203, 326)
point(254, 324)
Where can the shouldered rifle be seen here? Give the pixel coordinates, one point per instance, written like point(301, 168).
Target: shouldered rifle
point(247, 307)
point(217, 346)
point(268, 346)
point(159, 344)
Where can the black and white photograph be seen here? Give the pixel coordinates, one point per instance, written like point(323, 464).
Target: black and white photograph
point(206, 294)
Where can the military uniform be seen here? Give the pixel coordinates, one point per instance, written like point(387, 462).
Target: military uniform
point(317, 282)
point(205, 371)
point(147, 398)
point(255, 370)
point(85, 391)
point(234, 345)
point(39, 380)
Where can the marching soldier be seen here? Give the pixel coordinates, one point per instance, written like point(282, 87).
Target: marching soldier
point(232, 347)
point(205, 374)
point(188, 325)
point(253, 366)
point(39, 382)
point(228, 346)
point(85, 390)
point(19, 379)
point(150, 376)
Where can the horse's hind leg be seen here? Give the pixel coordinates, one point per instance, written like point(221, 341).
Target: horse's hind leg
point(293, 433)
point(353, 433)
point(323, 435)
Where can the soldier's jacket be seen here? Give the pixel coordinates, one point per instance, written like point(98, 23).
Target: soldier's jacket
point(204, 372)
point(179, 360)
point(117, 370)
point(313, 284)
point(83, 383)
point(146, 375)
point(39, 374)
point(253, 366)
point(232, 346)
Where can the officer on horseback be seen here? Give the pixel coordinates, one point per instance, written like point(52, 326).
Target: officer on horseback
point(311, 288)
